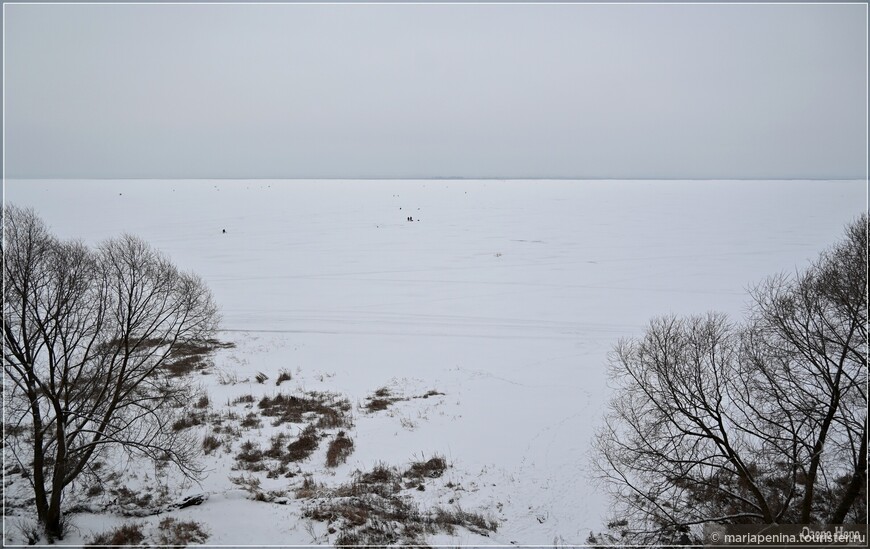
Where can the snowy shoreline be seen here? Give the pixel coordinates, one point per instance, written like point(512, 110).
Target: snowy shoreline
point(503, 297)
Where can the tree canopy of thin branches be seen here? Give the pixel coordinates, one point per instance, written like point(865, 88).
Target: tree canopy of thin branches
point(86, 333)
point(763, 421)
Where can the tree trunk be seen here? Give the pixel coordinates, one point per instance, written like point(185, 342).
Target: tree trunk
point(53, 520)
point(818, 448)
point(38, 460)
point(859, 479)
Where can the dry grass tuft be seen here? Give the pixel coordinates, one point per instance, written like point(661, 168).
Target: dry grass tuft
point(372, 511)
point(210, 443)
point(308, 489)
point(331, 409)
point(433, 468)
point(191, 356)
point(250, 458)
point(189, 420)
point(244, 399)
point(304, 445)
point(127, 534)
point(283, 376)
point(251, 421)
point(339, 449)
point(175, 533)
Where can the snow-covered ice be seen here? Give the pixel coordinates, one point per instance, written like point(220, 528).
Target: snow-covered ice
point(504, 295)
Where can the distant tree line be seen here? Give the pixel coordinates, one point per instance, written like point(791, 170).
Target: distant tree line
point(764, 421)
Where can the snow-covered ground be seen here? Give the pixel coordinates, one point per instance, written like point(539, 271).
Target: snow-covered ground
point(506, 296)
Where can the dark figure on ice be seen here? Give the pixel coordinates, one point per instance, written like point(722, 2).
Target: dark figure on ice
point(224, 231)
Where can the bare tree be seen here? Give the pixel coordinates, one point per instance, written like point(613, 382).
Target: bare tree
point(86, 335)
point(763, 423)
point(811, 348)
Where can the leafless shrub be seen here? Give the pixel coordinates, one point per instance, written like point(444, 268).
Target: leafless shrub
point(261, 377)
point(31, 531)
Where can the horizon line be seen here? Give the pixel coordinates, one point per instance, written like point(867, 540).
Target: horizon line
point(435, 178)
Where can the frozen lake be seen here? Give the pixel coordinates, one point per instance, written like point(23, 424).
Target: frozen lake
point(507, 295)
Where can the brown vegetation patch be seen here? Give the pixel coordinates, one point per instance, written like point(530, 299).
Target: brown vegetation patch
point(127, 534)
point(371, 511)
point(276, 446)
point(251, 421)
point(190, 356)
point(185, 365)
point(304, 445)
point(332, 409)
point(175, 533)
point(378, 404)
point(283, 376)
point(188, 421)
point(308, 489)
point(126, 498)
point(383, 398)
point(380, 474)
point(250, 457)
point(210, 443)
point(200, 347)
point(244, 399)
point(339, 449)
point(432, 468)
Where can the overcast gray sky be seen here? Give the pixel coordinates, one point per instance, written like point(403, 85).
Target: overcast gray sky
point(346, 91)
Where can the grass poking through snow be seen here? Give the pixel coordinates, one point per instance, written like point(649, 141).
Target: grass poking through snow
point(339, 449)
point(371, 509)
